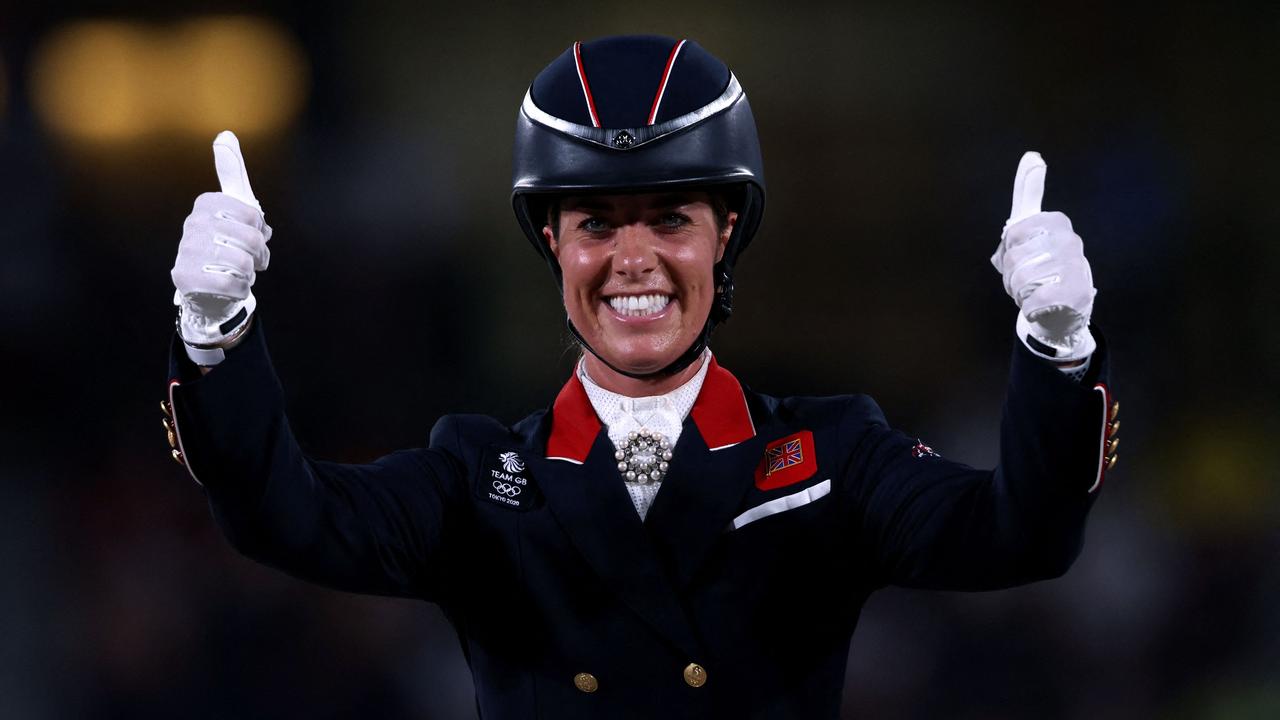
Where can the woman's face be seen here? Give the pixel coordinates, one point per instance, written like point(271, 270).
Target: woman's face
point(637, 272)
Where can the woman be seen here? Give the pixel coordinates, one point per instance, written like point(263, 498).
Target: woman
point(661, 541)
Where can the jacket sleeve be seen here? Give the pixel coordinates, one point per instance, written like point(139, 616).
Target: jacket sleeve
point(383, 527)
point(928, 522)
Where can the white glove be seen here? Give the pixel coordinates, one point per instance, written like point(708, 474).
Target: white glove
point(224, 244)
point(1045, 272)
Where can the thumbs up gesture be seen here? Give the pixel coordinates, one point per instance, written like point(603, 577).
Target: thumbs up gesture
point(1045, 272)
point(223, 246)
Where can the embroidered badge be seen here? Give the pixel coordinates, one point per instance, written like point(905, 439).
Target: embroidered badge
point(787, 461)
point(921, 450)
point(511, 462)
point(505, 480)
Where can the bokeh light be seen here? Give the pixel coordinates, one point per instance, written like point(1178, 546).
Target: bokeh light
point(112, 80)
point(89, 80)
point(244, 73)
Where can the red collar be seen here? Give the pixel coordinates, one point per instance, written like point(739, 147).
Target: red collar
point(720, 413)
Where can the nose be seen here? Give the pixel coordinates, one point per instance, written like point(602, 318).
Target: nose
point(634, 255)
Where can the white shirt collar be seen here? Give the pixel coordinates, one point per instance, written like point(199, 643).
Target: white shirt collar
point(663, 413)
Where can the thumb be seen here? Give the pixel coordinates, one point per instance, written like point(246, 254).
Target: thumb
point(1028, 186)
point(232, 174)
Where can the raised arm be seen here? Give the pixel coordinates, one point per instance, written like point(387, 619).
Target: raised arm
point(929, 522)
point(933, 523)
point(380, 527)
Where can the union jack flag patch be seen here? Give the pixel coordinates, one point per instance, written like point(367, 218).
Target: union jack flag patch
point(788, 454)
point(787, 461)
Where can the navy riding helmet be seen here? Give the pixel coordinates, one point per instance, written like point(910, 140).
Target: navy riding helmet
point(639, 113)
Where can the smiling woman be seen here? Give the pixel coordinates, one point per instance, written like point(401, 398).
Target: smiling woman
point(637, 275)
point(597, 135)
point(663, 541)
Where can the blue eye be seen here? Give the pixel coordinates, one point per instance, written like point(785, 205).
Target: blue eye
point(593, 225)
point(674, 219)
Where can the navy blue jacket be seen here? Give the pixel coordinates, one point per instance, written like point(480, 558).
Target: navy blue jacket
point(736, 597)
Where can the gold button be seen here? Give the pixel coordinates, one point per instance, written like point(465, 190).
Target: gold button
point(177, 457)
point(166, 408)
point(695, 675)
point(1115, 410)
point(1111, 461)
point(1112, 444)
point(586, 682)
point(168, 430)
point(1113, 428)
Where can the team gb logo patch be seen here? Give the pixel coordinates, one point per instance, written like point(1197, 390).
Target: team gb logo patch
point(505, 480)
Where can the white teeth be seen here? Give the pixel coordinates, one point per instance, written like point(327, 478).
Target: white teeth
point(638, 305)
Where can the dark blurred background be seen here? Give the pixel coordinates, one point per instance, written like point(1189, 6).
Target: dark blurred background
point(378, 139)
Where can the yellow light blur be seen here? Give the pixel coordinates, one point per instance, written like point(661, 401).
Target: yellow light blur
point(1216, 481)
point(244, 74)
point(107, 81)
point(88, 80)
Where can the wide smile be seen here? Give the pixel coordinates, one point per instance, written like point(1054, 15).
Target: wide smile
point(639, 308)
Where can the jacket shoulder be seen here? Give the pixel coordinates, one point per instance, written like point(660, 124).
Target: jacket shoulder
point(463, 435)
point(819, 410)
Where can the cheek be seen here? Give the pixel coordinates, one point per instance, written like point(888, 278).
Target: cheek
point(694, 272)
point(580, 270)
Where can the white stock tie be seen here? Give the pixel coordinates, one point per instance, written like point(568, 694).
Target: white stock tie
point(664, 414)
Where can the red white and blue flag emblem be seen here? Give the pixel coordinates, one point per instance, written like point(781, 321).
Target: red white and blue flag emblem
point(786, 461)
point(788, 454)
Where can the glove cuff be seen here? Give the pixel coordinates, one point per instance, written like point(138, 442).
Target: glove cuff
point(205, 339)
point(202, 331)
point(1076, 346)
point(203, 357)
point(208, 356)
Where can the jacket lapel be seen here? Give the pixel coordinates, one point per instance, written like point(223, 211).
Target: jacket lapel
point(699, 497)
point(711, 470)
point(587, 497)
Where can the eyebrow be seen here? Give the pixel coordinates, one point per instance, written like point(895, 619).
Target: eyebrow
point(585, 203)
point(595, 204)
point(672, 199)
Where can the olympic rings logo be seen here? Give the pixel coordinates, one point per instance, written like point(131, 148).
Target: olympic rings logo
point(506, 488)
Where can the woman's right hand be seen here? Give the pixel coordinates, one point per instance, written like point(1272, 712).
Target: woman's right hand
point(223, 246)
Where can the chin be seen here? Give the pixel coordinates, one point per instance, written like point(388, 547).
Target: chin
point(640, 357)
point(640, 362)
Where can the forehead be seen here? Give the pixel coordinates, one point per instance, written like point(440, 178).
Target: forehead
point(632, 201)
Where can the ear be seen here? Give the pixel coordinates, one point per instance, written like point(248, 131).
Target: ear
point(723, 241)
point(550, 237)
